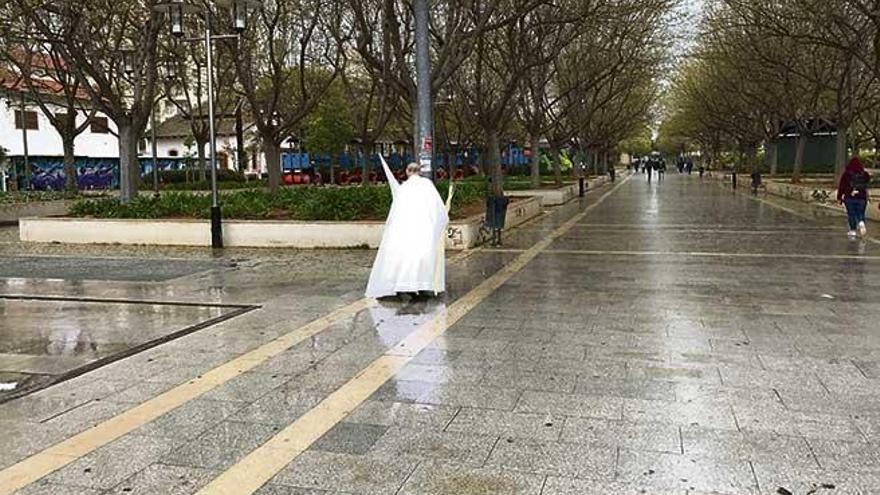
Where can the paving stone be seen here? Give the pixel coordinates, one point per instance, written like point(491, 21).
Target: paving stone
point(439, 374)
point(571, 405)
point(711, 414)
point(675, 471)
point(797, 423)
point(346, 473)
point(221, 446)
point(846, 456)
point(570, 486)
point(109, 465)
point(554, 458)
point(775, 475)
point(417, 416)
point(87, 415)
point(165, 479)
point(756, 446)
point(350, 438)
point(21, 439)
point(451, 479)
point(507, 424)
point(43, 488)
point(191, 419)
point(275, 489)
point(405, 443)
point(629, 388)
point(659, 437)
point(511, 378)
point(246, 387)
point(469, 396)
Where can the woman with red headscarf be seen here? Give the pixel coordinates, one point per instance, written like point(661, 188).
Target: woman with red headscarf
point(852, 191)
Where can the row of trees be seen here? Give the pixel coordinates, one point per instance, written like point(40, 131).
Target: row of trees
point(578, 73)
point(760, 68)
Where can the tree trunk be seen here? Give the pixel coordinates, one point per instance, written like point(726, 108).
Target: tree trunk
point(557, 165)
point(332, 169)
point(799, 158)
point(604, 163)
point(129, 165)
point(202, 160)
point(272, 154)
point(773, 149)
point(535, 161)
point(752, 158)
point(69, 164)
point(840, 151)
point(365, 166)
point(494, 156)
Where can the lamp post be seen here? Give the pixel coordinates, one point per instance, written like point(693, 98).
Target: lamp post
point(176, 9)
point(423, 83)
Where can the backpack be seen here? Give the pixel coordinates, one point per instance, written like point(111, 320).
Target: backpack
point(858, 181)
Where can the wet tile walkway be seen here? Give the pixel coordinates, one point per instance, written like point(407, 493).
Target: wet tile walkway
point(668, 338)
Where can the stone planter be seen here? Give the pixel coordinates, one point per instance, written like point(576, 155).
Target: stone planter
point(821, 196)
point(12, 212)
point(462, 234)
point(558, 196)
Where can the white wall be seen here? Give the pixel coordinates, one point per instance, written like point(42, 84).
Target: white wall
point(46, 141)
point(164, 146)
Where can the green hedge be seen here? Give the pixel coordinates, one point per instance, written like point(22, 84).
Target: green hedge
point(191, 174)
point(34, 196)
point(206, 185)
point(295, 203)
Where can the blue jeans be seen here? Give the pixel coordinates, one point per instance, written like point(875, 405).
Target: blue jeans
point(855, 211)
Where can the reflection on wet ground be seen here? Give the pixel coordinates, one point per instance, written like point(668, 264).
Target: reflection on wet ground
point(46, 340)
point(677, 339)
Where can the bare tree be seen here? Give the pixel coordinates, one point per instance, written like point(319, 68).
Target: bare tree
point(285, 64)
point(93, 39)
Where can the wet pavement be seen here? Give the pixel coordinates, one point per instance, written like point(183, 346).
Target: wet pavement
point(668, 338)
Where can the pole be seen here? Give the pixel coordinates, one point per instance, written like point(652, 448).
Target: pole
point(239, 138)
point(423, 76)
point(216, 222)
point(155, 151)
point(24, 143)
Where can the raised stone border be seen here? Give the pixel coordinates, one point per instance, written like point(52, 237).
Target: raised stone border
point(816, 196)
point(822, 197)
point(13, 212)
point(560, 195)
point(462, 234)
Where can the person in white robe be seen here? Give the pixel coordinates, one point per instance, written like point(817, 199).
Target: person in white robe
point(411, 257)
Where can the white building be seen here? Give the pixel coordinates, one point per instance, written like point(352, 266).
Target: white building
point(174, 141)
point(97, 141)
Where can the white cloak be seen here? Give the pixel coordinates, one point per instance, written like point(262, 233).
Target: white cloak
point(411, 257)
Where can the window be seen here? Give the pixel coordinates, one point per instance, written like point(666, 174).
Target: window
point(31, 122)
point(173, 152)
point(99, 125)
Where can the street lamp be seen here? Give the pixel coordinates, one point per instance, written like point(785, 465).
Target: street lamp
point(176, 9)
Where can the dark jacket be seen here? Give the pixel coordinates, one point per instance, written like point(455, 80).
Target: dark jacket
point(845, 187)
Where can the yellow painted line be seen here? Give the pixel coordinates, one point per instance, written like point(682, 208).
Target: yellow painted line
point(262, 464)
point(709, 254)
point(43, 463)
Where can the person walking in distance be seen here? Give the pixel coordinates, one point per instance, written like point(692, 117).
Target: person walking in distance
point(852, 191)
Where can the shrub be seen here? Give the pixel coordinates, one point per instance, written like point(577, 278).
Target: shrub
point(34, 196)
point(297, 203)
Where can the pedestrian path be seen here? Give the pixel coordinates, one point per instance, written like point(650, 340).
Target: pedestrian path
point(655, 338)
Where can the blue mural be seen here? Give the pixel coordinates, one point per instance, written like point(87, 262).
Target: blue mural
point(47, 173)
